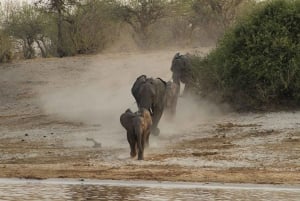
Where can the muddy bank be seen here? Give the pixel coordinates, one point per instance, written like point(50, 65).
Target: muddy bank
point(60, 119)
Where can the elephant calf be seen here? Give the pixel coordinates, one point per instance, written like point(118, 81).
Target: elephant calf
point(138, 127)
point(172, 93)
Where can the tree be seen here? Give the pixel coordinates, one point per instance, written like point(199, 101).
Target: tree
point(140, 14)
point(179, 14)
point(220, 13)
point(92, 25)
point(61, 8)
point(26, 25)
point(5, 47)
point(256, 64)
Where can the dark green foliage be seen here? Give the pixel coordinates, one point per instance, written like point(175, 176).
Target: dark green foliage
point(257, 62)
point(82, 27)
point(140, 15)
point(92, 26)
point(60, 8)
point(69, 27)
point(27, 26)
point(5, 48)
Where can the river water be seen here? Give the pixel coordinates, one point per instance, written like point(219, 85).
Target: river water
point(60, 189)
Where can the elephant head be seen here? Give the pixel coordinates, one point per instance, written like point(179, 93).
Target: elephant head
point(181, 69)
point(138, 126)
point(146, 95)
point(149, 93)
point(126, 120)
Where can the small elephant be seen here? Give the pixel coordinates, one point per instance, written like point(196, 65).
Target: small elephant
point(182, 70)
point(172, 93)
point(149, 93)
point(138, 126)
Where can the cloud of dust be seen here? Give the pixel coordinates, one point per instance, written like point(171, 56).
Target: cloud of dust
point(191, 111)
point(102, 92)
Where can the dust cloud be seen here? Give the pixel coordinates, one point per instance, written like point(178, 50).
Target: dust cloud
point(98, 90)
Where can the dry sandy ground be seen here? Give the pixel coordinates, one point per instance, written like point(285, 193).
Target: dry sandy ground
point(50, 109)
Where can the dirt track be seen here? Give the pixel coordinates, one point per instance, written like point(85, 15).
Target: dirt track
point(50, 109)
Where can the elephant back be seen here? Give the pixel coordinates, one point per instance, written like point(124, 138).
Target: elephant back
point(149, 92)
point(161, 87)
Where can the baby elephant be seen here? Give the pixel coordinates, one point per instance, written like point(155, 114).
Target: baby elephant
point(138, 127)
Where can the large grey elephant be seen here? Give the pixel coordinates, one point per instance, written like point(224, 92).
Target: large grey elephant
point(172, 93)
point(182, 72)
point(138, 126)
point(149, 93)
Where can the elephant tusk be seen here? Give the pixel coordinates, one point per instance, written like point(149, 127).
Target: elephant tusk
point(151, 112)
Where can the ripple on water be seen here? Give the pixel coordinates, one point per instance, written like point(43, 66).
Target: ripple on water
point(77, 191)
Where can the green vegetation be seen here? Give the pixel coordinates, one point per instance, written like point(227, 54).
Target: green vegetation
point(257, 62)
point(140, 15)
point(5, 48)
point(27, 27)
point(68, 27)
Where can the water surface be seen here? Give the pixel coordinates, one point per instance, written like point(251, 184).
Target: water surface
point(13, 189)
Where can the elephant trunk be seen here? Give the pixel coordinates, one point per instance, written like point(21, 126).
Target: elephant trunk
point(176, 78)
point(146, 104)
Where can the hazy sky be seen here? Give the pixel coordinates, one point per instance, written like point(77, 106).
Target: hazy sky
point(16, 1)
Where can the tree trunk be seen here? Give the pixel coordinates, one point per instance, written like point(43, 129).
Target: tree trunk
point(43, 50)
point(60, 49)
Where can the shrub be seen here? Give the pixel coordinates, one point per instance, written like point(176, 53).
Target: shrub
point(257, 62)
point(5, 48)
point(92, 27)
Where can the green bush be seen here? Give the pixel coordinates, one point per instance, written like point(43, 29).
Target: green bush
point(5, 48)
point(257, 62)
point(93, 27)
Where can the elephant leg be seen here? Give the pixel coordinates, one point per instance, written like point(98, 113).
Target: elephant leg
point(132, 143)
point(157, 113)
point(174, 106)
point(140, 147)
point(140, 142)
point(147, 138)
point(186, 90)
point(141, 150)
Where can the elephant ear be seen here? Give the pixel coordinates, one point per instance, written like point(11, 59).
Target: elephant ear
point(164, 82)
point(141, 77)
point(126, 118)
point(175, 58)
point(186, 60)
point(177, 55)
point(138, 82)
point(169, 84)
point(142, 111)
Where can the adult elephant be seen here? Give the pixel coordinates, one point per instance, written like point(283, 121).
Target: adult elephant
point(149, 93)
point(182, 70)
